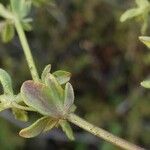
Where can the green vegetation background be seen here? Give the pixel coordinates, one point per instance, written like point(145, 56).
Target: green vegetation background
point(107, 62)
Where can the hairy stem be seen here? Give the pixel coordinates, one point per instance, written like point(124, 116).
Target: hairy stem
point(102, 133)
point(26, 50)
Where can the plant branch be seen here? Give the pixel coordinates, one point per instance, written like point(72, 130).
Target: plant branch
point(102, 133)
point(22, 107)
point(26, 50)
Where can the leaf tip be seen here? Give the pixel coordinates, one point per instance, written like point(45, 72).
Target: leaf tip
point(24, 134)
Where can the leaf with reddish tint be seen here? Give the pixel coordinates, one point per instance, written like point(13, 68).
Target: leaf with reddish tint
point(36, 128)
point(41, 98)
point(69, 97)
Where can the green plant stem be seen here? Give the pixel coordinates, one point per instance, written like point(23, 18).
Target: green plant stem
point(22, 107)
point(26, 50)
point(102, 133)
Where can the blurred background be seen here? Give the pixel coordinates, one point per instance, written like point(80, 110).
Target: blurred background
point(107, 62)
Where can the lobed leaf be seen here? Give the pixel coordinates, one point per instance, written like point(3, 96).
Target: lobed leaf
point(39, 96)
point(67, 129)
point(62, 76)
point(6, 82)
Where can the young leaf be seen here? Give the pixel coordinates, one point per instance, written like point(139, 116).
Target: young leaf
point(56, 90)
point(67, 129)
point(20, 114)
point(6, 82)
point(35, 129)
point(62, 76)
point(146, 84)
point(45, 72)
point(38, 96)
point(145, 40)
point(8, 32)
point(69, 97)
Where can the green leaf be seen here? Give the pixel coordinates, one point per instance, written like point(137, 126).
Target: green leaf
point(62, 76)
point(5, 13)
point(69, 97)
point(20, 114)
point(145, 40)
point(35, 129)
point(67, 129)
point(45, 72)
point(146, 84)
point(51, 124)
point(39, 96)
point(15, 5)
point(130, 14)
point(6, 82)
point(21, 8)
point(8, 32)
point(27, 26)
point(55, 89)
point(26, 7)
